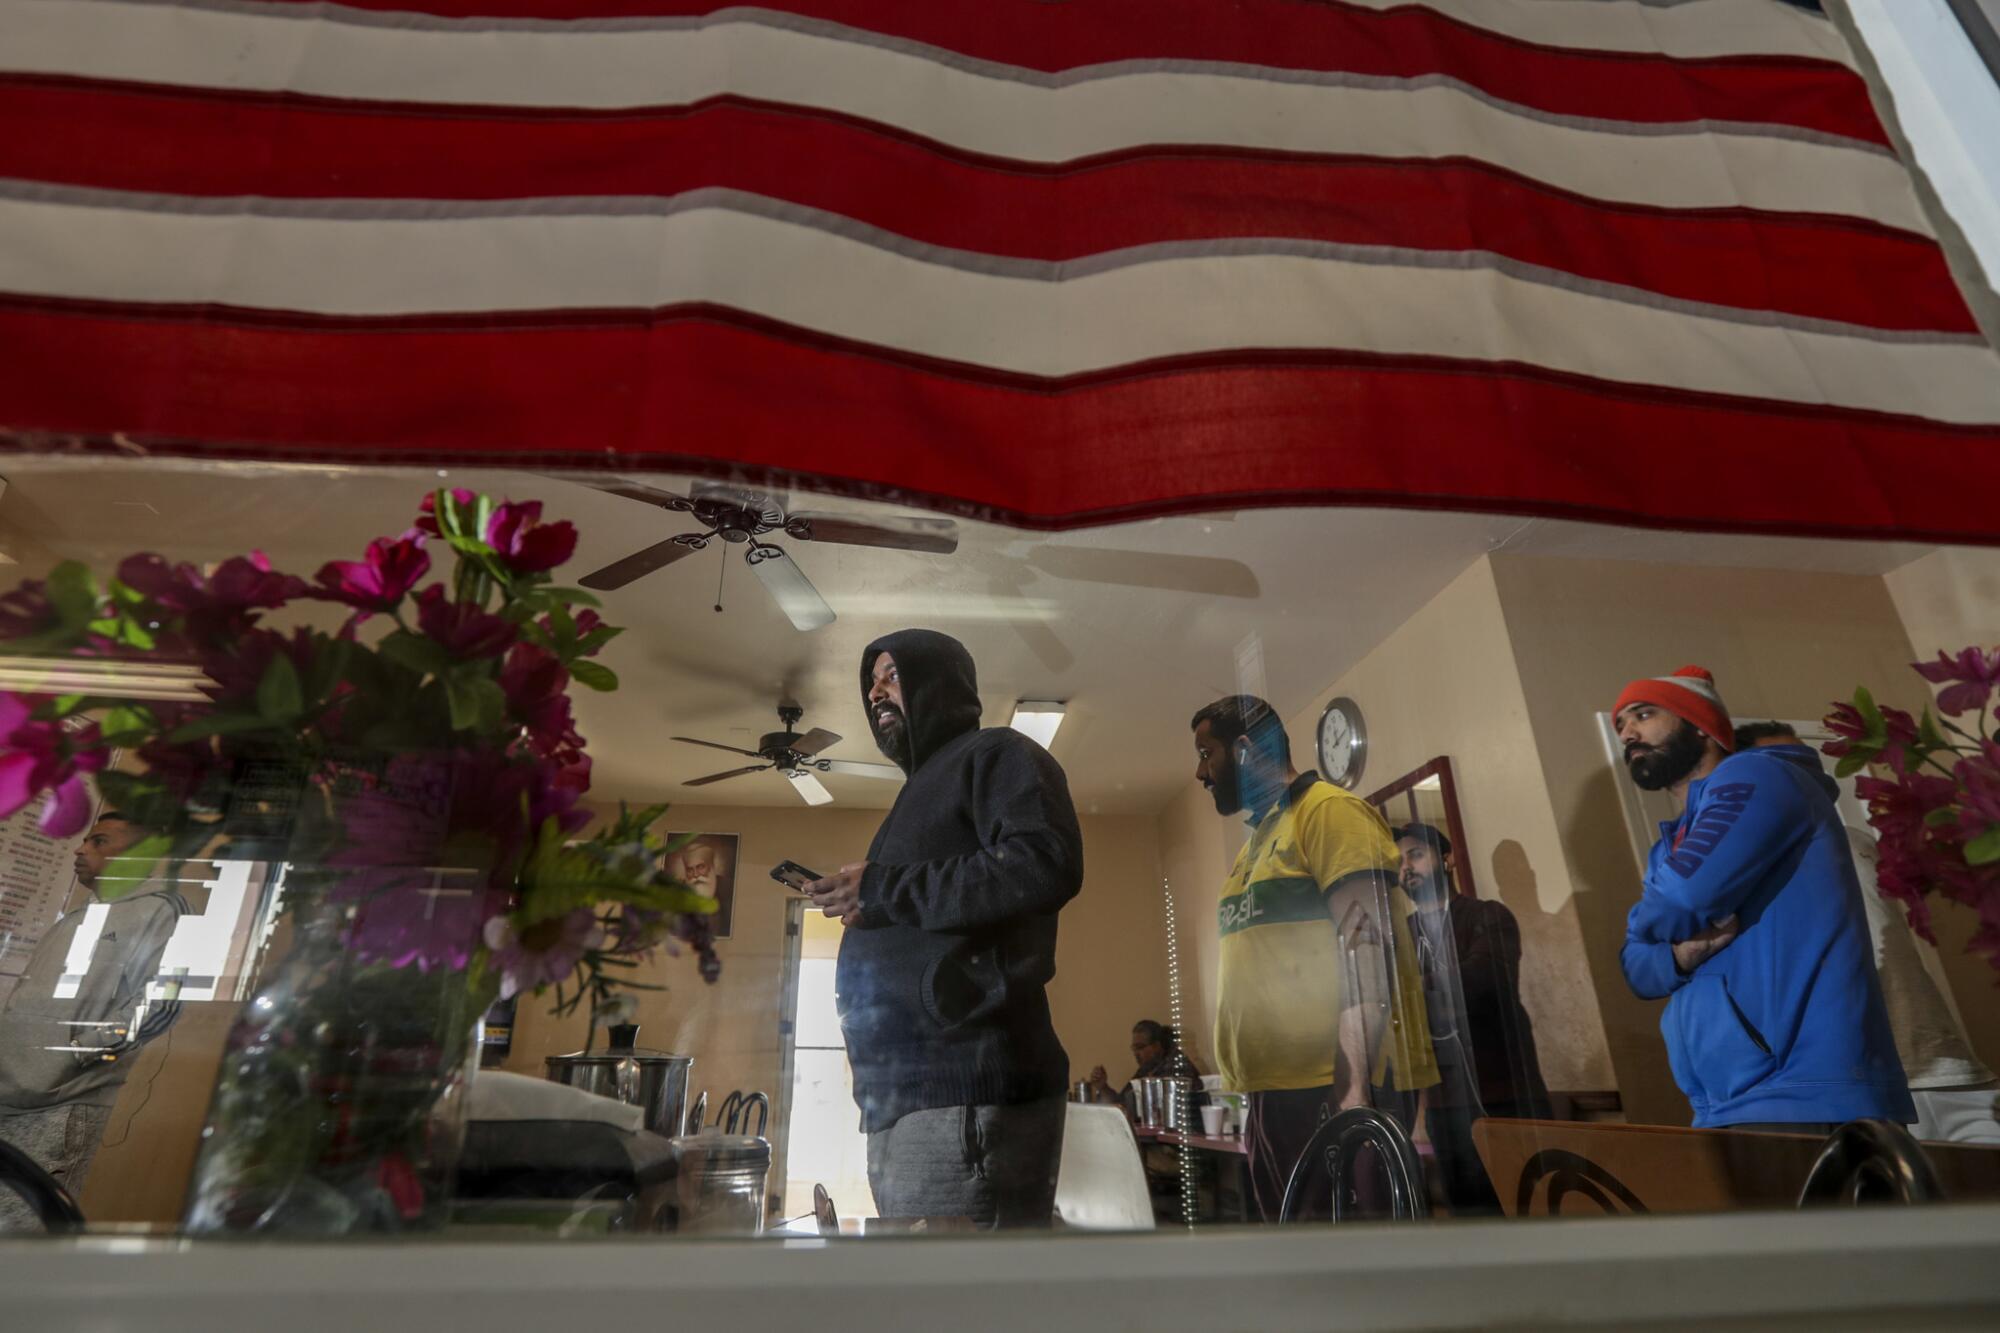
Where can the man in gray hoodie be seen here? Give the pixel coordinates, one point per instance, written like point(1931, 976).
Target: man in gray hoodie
point(68, 1040)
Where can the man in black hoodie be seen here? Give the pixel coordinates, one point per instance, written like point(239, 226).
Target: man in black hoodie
point(951, 941)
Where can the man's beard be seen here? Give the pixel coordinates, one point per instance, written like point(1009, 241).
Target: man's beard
point(1227, 790)
point(1658, 769)
point(1423, 890)
point(893, 738)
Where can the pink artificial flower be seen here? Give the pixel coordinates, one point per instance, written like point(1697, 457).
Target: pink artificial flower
point(237, 666)
point(1973, 672)
point(524, 543)
point(464, 630)
point(381, 580)
point(544, 953)
point(466, 812)
point(219, 605)
point(26, 610)
point(1978, 777)
point(46, 757)
point(536, 686)
point(1846, 723)
point(427, 510)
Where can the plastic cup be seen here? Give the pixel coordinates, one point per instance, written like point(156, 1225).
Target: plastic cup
point(1211, 1120)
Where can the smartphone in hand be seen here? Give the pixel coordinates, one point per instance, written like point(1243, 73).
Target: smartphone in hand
point(793, 875)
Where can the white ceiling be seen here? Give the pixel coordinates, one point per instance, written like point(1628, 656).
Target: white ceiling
point(1136, 624)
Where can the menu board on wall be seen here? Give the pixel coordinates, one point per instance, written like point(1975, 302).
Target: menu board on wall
point(36, 875)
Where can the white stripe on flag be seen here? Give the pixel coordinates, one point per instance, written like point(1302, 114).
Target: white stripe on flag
point(1399, 303)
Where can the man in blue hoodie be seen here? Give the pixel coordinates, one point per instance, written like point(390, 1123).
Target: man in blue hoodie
point(1751, 924)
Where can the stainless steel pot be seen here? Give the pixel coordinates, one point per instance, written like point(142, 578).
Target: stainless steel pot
point(654, 1081)
point(1165, 1103)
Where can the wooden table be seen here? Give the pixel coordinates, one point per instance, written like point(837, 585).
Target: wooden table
point(1174, 1138)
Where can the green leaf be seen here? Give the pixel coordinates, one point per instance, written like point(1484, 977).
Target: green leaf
point(280, 697)
point(568, 596)
point(137, 636)
point(1871, 716)
point(596, 639)
point(73, 593)
point(1984, 850)
point(1854, 761)
point(1940, 817)
point(124, 720)
point(217, 724)
point(477, 703)
point(1928, 733)
point(426, 657)
point(66, 704)
point(595, 676)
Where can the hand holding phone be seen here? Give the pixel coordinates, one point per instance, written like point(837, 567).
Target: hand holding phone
point(793, 875)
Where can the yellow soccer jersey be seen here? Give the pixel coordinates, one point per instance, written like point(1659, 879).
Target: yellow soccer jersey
point(1283, 982)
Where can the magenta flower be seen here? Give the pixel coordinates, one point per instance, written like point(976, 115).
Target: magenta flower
point(1845, 721)
point(427, 510)
point(463, 629)
point(381, 580)
point(46, 757)
point(216, 607)
point(531, 957)
point(1973, 674)
point(26, 610)
point(526, 544)
point(536, 686)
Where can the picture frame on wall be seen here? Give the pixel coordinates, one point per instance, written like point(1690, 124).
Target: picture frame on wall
point(707, 864)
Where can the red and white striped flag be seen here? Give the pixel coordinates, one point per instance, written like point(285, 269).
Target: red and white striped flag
point(1054, 261)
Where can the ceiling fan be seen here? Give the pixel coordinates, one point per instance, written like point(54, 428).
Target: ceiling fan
point(742, 517)
point(795, 756)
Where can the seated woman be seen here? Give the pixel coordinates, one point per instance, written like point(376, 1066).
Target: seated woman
point(1158, 1055)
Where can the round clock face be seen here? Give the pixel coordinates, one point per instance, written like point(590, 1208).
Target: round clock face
point(1343, 743)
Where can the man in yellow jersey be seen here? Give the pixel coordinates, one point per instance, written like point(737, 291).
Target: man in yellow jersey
point(1315, 1000)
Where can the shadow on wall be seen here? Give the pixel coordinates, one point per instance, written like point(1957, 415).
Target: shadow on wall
point(1547, 946)
point(1607, 885)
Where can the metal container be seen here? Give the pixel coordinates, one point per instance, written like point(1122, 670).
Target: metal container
point(1079, 1091)
point(1165, 1103)
point(720, 1181)
point(654, 1081)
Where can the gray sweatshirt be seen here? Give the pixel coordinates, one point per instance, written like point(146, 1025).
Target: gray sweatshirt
point(78, 1049)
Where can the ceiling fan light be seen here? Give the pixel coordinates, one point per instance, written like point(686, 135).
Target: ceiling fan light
point(1038, 720)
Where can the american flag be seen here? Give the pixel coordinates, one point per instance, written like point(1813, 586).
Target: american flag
point(1053, 262)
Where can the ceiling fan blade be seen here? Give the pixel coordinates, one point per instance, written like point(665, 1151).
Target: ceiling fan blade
point(853, 769)
point(898, 534)
point(632, 490)
point(732, 773)
point(809, 789)
point(819, 738)
point(636, 566)
point(715, 745)
point(790, 588)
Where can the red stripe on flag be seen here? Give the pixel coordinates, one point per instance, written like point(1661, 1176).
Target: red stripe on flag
point(689, 390)
point(1283, 34)
point(146, 139)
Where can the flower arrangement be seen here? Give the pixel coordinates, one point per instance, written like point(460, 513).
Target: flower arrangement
point(1933, 791)
point(432, 728)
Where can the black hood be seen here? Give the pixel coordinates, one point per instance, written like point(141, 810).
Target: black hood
point(940, 688)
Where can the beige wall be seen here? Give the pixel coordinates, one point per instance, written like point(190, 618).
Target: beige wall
point(1445, 684)
point(1197, 848)
point(1781, 644)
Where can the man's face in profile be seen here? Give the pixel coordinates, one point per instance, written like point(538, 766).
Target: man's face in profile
point(107, 840)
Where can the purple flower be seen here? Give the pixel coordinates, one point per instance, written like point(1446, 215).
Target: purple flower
point(467, 813)
point(381, 580)
point(536, 686)
point(215, 607)
point(26, 610)
point(1845, 722)
point(530, 957)
point(526, 544)
point(46, 757)
point(1973, 672)
point(463, 629)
